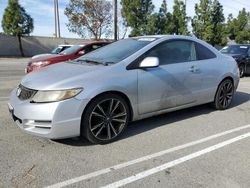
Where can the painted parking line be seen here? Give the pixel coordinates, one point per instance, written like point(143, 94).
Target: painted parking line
point(4, 98)
point(144, 158)
point(11, 77)
point(160, 168)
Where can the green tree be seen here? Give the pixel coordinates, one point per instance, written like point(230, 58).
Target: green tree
point(230, 27)
point(208, 22)
point(179, 18)
point(201, 22)
point(160, 22)
point(92, 16)
point(239, 28)
point(243, 37)
point(242, 19)
point(165, 23)
point(17, 22)
point(217, 25)
point(138, 14)
point(153, 26)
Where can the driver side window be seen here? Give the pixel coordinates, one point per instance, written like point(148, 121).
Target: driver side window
point(176, 51)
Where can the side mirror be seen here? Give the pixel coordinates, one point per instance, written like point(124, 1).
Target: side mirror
point(82, 52)
point(149, 62)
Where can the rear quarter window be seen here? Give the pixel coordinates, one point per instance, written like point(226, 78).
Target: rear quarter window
point(203, 52)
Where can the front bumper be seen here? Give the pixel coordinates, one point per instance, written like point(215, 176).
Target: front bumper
point(50, 120)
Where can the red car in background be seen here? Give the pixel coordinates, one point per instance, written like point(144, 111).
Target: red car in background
point(68, 54)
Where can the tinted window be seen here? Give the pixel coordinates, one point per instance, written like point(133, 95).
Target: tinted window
point(92, 47)
point(87, 49)
point(72, 50)
point(234, 49)
point(57, 50)
point(203, 52)
point(173, 52)
point(65, 47)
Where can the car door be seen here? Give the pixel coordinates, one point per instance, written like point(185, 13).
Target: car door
point(248, 62)
point(210, 73)
point(174, 83)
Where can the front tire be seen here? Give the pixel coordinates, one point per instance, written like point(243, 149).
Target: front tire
point(224, 95)
point(105, 118)
point(242, 71)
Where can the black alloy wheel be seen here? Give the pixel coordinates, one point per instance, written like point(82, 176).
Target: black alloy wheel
point(224, 95)
point(105, 118)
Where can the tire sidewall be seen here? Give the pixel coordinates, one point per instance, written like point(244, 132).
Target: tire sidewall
point(85, 127)
point(241, 70)
point(216, 100)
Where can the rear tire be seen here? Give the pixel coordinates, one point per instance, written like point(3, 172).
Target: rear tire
point(105, 118)
point(224, 95)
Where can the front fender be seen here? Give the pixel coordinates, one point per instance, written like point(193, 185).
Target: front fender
point(125, 83)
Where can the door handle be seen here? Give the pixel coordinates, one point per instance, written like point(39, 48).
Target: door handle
point(193, 69)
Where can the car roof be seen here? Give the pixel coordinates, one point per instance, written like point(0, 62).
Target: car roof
point(167, 36)
point(181, 37)
point(94, 42)
point(61, 45)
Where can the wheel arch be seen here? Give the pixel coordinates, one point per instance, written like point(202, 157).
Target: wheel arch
point(119, 93)
point(225, 78)
point(215, 102)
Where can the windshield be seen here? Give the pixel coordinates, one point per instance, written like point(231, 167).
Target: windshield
point(117, 51)
point(56, 50)
point(239, 49)
point(71, 50)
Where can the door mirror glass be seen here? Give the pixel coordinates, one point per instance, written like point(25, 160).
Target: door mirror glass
point(149, 62)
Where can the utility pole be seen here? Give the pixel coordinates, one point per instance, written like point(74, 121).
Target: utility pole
point(115, 20)
point(55, 18)
point(57, 21)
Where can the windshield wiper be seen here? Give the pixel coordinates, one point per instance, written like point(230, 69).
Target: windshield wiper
point(91, 61)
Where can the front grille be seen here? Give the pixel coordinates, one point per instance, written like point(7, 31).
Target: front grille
point(24, 93)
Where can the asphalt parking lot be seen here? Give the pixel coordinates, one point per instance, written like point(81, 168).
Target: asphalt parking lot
point(195, 147)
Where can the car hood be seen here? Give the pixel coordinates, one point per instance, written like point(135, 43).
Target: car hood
point(40, 55)
point(62, 76)
point(49, 57)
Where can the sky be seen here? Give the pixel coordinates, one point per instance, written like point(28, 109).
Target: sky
point(42, 11)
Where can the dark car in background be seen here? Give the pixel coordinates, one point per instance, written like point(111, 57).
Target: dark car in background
point(241, 53)
point(56, 50)
point(68, 54)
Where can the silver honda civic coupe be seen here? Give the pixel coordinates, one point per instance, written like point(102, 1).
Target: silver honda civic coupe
point(96, 95)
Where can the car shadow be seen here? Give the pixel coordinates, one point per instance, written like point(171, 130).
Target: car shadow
point(76, 141)
point(148, 124)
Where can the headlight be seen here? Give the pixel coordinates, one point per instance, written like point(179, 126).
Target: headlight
point(40, 63)
point(53, 96)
